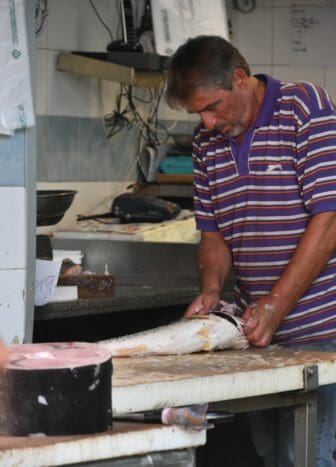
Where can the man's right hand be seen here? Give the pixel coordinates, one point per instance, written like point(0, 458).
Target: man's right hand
point(3, 354)
point(202, 304)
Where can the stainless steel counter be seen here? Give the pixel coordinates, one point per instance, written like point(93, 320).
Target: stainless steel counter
point(126, 298)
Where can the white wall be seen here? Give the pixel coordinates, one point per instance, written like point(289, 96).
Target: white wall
point(12, 263)
point(73, 25)
point(262, 36)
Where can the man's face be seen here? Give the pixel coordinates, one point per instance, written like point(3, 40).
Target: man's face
point(228, 112)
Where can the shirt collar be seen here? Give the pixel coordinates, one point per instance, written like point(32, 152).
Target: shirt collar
point(271, 95)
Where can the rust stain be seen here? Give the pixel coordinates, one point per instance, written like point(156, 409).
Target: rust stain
point(204, 333)
point(129, 351)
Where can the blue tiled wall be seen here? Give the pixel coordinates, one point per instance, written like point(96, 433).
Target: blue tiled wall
point(12, 160)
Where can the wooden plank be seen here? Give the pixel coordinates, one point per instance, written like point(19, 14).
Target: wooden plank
point(108, 71)
point(175, 178)
point(125, 439)
point(149, 383)
point(172, 190)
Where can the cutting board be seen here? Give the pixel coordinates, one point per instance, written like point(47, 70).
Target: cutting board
point(148, 383)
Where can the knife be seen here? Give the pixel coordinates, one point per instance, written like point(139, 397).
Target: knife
point(219, 416)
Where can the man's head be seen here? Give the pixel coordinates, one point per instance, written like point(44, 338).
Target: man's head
point(202, 62)
point(208, 76)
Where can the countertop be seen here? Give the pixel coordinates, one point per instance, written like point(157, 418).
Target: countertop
point(124, 439)
point(169, 381)
point(125, 298)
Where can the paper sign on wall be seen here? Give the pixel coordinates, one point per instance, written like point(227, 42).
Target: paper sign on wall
point(175, 21)
point(312, 35)
point(16, 102)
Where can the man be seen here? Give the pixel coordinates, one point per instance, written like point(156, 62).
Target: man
point(265, 200)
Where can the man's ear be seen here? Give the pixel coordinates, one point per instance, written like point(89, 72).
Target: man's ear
point(239, 77)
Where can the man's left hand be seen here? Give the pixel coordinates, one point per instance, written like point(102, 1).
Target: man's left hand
point(261, 321)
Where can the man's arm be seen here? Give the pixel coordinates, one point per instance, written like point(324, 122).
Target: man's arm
point(311, 255)
point(214, 260)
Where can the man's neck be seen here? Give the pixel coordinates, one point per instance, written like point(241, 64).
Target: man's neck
point(257, 94)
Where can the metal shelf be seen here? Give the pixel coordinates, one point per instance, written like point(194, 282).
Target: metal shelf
point(108, 71)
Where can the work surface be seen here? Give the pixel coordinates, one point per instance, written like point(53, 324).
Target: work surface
point(149, 383)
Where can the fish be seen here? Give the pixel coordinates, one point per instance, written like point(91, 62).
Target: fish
point(218, 330)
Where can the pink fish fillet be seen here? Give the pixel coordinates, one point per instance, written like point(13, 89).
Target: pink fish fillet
point(220, 329)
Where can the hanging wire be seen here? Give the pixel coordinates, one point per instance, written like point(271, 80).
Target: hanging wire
point(101, 19)
point(41, 13)
point(127, 115)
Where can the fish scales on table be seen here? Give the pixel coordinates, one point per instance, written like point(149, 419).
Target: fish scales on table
point(218, 330)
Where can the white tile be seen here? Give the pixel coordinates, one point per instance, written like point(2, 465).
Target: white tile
point(330, 81)
point(290, 3)
point(13, 230)
point(96, 97)
point(62, 25)
point(167, 113)
point(281, 36)
point(253, 35)
point(12, 305)
point(65, 94)
point(75, 95)
point(291, 73)
point(102, 97)
point(92, 36)
point(259, 4)
point(263, 69)
point(41, 82)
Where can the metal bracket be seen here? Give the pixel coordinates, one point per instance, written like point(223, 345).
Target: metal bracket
point(310, 378)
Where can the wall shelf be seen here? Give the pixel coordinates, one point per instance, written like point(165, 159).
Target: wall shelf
point(108, 71)
point(171, 186)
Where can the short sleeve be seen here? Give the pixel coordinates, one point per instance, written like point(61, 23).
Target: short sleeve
point(316, 149)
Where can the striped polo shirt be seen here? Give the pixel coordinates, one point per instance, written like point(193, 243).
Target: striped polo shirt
point(261, 193)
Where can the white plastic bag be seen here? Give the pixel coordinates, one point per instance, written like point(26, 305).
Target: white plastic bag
point(16, 103)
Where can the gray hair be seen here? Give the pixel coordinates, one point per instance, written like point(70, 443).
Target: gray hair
point(202, 62)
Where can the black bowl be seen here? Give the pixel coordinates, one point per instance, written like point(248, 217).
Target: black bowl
point(52, 205)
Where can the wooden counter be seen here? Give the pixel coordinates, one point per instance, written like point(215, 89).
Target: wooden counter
point(239, 381)
point(149, 383)
point(125, 439)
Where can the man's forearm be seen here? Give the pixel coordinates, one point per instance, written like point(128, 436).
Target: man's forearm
point(214, 261)
point(316, 246)
point(311, 255)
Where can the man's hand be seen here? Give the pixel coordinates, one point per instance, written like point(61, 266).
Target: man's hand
point(3, 354)
point(203, 303)
point(214, 260)
point(261, 321)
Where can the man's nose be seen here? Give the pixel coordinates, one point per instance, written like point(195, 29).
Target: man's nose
point(209, 120)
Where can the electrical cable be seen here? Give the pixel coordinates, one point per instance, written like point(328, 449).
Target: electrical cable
point(41, 13)
point(101, 19)
point(126, 115)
